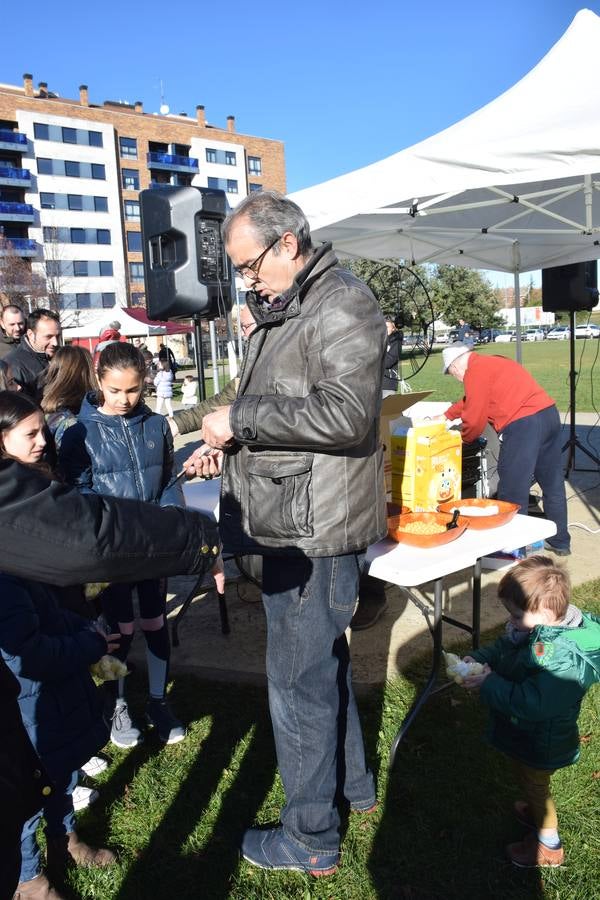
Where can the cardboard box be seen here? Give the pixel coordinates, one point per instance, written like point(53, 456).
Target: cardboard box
point(391, 409)
point(426, 464)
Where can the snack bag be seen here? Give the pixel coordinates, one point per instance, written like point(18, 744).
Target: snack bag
point(458, 669)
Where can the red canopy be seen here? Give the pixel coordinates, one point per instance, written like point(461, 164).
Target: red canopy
point(140, 314)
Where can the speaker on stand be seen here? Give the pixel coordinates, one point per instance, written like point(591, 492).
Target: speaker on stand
point(186, 269)
point(572, 288)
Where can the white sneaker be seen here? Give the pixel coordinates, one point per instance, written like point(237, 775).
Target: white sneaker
point(94, 766)
point(83, 796)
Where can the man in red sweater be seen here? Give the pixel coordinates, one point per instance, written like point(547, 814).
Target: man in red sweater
point(503, 393)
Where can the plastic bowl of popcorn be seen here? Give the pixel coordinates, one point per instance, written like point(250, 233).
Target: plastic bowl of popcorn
point(482, 513)
point(394, 511)
point(427, 529)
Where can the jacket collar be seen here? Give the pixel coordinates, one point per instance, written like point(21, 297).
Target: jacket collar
point(90, 413)
point(288, 303)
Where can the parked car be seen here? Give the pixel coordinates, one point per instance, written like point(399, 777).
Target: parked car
point(488, 335)
point(534, 334)
point(560, 333)
point(587, 331)
point(505, 337)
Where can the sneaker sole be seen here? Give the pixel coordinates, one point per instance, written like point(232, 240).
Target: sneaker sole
point(170, 740)
point(124, 746)
point(316, 873)
point(542, 865)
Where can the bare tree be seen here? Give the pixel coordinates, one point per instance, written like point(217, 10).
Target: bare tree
point(18, 283)
point(53, 269)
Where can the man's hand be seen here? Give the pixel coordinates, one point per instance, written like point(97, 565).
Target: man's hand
point(218, 573)
point(173, 426)
point(204, 462)
point(216, 430)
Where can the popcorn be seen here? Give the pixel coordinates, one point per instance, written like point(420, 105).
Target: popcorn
point(458, 669)
point(109, 668)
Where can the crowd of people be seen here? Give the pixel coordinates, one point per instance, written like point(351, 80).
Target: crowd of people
point(296, 442)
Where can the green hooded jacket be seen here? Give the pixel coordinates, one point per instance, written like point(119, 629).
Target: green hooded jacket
point(536, 688)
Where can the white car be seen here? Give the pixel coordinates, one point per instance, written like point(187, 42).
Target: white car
point(561, 333)
point(505, 338)
point(533, 334)
point(587, 331)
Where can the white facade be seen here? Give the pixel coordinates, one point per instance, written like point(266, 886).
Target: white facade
point(221, 170)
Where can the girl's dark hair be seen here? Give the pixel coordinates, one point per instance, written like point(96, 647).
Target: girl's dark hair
point(14, 407)
point(69, 378)
point(121, 356)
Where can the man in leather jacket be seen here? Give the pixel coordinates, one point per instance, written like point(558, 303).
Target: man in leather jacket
point(303, 486)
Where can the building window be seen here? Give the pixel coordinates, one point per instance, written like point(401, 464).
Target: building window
point(106, 267)
point(101, 204)
point(98, 172)
point(255, 165)
point(102, 236)
point(47, 201)
point(80, 268)
point(253, 188)
point(44, 166)
point(211, 155)
point(69, 135)
point(132, 210)
point(75, 201)
point(41, 131)
point(130, 179)
point(95, 139)
point(54, 268)
point(128, 148)
point(137, 299)
point(232, 186)
point(78, 236)
point(83, 301)
point(134, 241)
point(230, 158)
point(224, 184)
point(108, 300)
point(72, 168)
point(136, 271)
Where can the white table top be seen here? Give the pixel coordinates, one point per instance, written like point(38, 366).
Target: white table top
point(410, 566)
point(203, 496)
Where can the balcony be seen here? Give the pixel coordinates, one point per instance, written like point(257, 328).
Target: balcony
point(12, 140)
point(19, 247)
point(11, 177)
point(172, 163)
point(15, 212)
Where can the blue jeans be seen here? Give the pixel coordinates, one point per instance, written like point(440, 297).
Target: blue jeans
point(531, 448)
point(309, 604)
point(60, 820)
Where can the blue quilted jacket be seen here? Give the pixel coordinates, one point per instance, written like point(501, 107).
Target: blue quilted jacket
point(49, 650)
point(121, 456)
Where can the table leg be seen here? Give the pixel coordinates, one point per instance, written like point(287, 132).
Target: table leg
point(436, 633)
point(476, 604)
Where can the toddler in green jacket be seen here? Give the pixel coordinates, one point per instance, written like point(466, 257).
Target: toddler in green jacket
point(533, 681)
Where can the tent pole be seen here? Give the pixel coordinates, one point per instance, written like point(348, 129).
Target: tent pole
point(214, 356)
point(517, 268)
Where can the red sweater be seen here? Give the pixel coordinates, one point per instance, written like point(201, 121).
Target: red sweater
point(497, 390)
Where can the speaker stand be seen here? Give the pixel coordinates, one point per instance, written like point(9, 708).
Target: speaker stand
point(573, 442)
point(199, 354)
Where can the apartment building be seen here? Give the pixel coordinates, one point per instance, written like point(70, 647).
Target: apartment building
point(70, 176)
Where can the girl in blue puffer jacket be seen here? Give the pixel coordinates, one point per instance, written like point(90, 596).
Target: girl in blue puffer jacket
point(121, 448)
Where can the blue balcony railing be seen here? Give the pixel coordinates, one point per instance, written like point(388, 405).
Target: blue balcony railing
point(16, 211)
point(171, 161)
point(15, 174)
point(19, 246)
point(12, 137)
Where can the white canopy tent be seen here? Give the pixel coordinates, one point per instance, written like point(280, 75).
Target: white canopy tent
point(513, 187)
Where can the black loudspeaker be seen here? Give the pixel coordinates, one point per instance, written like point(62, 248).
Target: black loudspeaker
point(186, 269)
point(571, 288)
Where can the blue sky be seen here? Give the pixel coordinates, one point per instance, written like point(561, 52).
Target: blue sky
point(343, 84)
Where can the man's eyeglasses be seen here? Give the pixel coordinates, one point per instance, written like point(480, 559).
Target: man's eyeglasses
point(251, 270)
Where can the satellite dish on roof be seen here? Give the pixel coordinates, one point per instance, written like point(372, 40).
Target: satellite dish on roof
point(164, 109)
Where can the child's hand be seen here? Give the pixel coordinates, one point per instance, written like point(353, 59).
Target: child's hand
point(474, 682)
point(218, 573)
point(112, 640)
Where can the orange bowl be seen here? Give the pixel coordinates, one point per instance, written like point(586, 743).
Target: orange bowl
point(506, 511)
point(401, 536)
point(394, 511)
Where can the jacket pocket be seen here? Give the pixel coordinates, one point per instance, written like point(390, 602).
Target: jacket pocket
point(280, 495)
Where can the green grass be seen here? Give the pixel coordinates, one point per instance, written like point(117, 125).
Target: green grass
point(176, 815)
point(548, 362)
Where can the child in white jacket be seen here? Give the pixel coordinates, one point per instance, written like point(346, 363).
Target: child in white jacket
point(189, 391)
point(163, 383)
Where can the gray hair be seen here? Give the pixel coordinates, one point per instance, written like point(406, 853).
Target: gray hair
point(271, 215)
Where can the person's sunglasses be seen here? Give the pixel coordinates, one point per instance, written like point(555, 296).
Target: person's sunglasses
point(252, 269)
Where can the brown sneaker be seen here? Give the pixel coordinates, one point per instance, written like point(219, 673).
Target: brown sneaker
point(69, 850)
point(37, 888)
point(529, 853)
